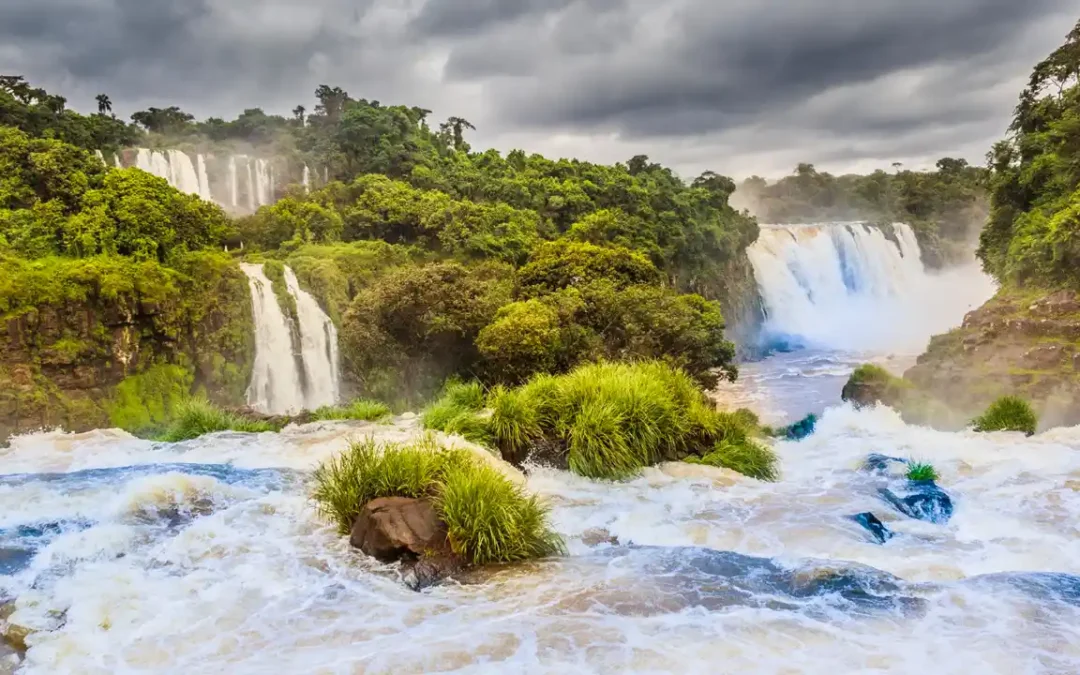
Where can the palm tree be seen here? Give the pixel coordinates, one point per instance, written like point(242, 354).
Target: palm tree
point(458, 125)
point(104, 105)
point(299, 111)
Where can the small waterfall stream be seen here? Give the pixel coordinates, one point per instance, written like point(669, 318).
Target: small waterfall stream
point(294, 370)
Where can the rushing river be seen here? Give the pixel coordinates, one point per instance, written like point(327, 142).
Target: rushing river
point(206, 557)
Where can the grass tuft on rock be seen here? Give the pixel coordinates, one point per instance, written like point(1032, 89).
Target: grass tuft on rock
point(1008, 413)
point(613, 419)
point(458, 411)
point(364, 410)
point(489, 517)
point(198, 416)
point(921, 471)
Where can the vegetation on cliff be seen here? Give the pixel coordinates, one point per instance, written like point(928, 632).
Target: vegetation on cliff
point(489, 518)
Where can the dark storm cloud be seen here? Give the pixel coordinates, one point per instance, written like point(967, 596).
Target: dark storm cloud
point(734, 85)
point(708, 66)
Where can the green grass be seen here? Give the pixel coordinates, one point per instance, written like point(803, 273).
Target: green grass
point(458, 411)
point(198, 416)
point(1008, 413)
point(616, 418)
point(362, 409)
point(921, 471)
point(489, 517)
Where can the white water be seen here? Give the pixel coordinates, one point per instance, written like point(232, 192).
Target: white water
point(275, 379)
point(846, 286)
point(319, 347)
point(191, 174)
point(278, 384)
point(249, 580)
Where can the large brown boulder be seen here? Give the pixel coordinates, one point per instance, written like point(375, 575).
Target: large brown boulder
point(399, 528)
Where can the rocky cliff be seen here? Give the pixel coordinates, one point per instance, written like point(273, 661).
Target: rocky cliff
point(108, 341)
point(1023, 343)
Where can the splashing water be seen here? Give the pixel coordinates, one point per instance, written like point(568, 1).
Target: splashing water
point(227, 568)
point(848, 286)
point(275, 378)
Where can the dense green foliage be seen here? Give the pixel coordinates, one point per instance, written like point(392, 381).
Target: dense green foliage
point(42, 114)
point(607, 420)
point(196, 417)
point(489, 517)
point(946, 207)
point(1008, 413)
point(870, 384)
point(1033, 234)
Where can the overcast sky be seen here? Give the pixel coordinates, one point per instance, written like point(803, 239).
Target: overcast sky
point(736, 86)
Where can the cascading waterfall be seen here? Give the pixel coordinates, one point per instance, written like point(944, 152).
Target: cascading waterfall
point(319, 347)
point(306, 180)
point(851, 286)
point(288, 377)
point(243, 183)
point(275, 386)
point(251, 186)
point(233, 184)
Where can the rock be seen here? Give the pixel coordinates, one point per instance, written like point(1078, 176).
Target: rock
point(877, 463)
point(801, 429)
point(595, 536)
point(430, 570)
point(399, 528)
point(14, 636)
point(875, 527)
point(924, 501)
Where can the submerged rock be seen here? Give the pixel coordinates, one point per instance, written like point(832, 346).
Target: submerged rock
point(876, 463)
point(874, 526)
point(924, 500)
point(395, 528)
point(801, 429)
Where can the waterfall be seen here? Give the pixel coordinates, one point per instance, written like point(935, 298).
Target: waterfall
point(318, 338)
point(275, 380)
point(306, 180)
point(851, 286)
point(251, 185)
point(204, 180)
point(177, 169)
point(233, 188)
point(281, 383)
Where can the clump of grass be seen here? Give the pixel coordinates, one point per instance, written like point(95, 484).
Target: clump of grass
point(362, 409)
point(921, 471)
point(613, 419)
point(1008, 413)
point(489, 517)
point(368, 470)
point(198, 416)
point(458, 411)
point(748, 457)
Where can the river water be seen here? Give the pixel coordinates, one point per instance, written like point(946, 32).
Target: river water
point(125, 556)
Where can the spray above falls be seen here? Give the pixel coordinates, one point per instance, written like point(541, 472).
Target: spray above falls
point(296, 359)
point(854, 286)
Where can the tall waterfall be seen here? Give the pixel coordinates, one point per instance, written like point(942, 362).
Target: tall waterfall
point(319, 347)
point(289, 377)
point(851, 286)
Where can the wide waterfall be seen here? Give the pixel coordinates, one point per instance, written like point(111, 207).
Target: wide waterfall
point(295, 365)
point(853, 286)
point(239, 183)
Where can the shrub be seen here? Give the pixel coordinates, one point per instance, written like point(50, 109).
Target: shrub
point(198, 416)
point(362, 409)
point(489, 518)
point(921, 471)
point(1008, 413)
point(560, 264)
point(612, 419)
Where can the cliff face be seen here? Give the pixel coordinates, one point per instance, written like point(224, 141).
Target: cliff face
point(120, 344)
point(1027, 344)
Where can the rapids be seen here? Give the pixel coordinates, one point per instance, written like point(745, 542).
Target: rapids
point(206, 556)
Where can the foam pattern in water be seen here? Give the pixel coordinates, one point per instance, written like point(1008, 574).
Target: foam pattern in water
point(207, 557)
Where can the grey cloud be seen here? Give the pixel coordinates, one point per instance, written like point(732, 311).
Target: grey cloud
point(734, 85)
